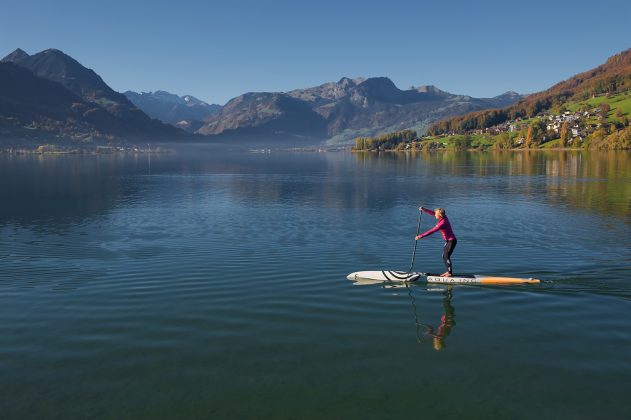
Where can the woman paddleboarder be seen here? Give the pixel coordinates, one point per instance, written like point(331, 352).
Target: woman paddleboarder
point(448, 234)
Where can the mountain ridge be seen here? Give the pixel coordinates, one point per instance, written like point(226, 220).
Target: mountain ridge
point(35, 107)
point(348, 107)
point(92, 92)
point(337, 111)
point(186, 112)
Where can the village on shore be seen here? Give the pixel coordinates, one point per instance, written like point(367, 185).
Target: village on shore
point(599, 123)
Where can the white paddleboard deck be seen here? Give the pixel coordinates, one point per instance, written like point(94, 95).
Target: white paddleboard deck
point(402, 276)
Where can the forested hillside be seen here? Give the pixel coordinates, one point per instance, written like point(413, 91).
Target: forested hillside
point(610, 78)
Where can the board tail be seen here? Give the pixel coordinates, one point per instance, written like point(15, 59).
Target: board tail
point(393, 276)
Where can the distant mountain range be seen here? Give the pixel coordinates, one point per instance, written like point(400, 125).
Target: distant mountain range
point(340, 111)
point(185, 112)
point(50, 95)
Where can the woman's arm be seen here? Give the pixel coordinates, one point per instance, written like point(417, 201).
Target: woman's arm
point(428, 211)
point(436, 228)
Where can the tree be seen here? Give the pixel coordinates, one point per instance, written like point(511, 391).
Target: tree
point(529, 137)
point(565, 135)
point(503, 141)
point(462, 142)
point(397, 140)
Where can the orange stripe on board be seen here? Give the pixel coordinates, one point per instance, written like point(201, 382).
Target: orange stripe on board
point(504, 280)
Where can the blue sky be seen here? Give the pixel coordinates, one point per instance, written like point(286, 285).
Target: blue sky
point(216, 50)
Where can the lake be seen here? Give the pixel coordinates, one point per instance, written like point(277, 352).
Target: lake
point(212, 284)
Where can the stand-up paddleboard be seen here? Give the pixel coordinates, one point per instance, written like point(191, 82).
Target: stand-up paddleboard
point(402, 276)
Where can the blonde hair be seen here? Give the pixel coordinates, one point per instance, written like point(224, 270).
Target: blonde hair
point(440, 213)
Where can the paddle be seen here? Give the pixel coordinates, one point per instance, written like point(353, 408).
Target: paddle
point(418, 229)
point(407, 286)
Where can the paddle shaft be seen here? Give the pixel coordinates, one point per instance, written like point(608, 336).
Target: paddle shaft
point(418, 229)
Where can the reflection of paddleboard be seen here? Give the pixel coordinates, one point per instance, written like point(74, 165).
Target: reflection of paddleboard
point(402, 276)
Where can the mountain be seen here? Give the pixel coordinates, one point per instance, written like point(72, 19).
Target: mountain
point(32, 107)
point(55, 66)
point(340, 111)
point(17, 55)
point(185, 112)
point(611, 77)
point(337, 111)
point(267, 118)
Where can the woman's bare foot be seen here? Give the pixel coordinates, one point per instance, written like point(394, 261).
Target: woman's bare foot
point(447, 274)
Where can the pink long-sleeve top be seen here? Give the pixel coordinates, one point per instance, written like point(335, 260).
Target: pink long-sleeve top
point(443, 225)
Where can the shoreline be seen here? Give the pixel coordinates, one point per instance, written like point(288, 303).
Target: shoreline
point(551, 149)
point(90, 152)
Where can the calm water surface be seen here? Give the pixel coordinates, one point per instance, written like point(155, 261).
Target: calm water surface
point(212, 285)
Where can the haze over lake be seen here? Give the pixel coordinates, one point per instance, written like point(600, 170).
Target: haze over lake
point(208, 284)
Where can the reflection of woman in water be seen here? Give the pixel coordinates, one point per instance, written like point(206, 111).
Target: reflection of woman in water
point(447, 321)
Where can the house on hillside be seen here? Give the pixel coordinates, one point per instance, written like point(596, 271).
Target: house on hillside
point(497, 129)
